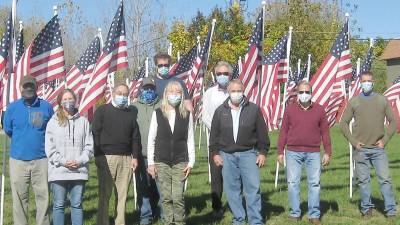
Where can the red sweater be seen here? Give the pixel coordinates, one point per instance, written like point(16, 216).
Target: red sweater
point(302, 130)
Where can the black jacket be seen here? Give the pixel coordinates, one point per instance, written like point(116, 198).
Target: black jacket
point(252, 130)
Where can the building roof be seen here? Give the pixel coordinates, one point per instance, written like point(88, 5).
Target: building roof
point(392, 50)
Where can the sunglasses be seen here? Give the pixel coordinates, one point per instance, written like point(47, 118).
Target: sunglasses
point(304, 92)
point(162, 65)
point(222, 73)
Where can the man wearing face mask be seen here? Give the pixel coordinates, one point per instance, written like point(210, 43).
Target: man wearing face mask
point(212, 99)
point(25, 123)
point(163, 63)
point(239, 143)
point(369, 139)
point(148, 194)
point(116, 139)
point(304, 125)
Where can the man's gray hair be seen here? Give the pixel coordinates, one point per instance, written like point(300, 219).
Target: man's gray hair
point(119, 85)
point(223, 63)
point(304, 83)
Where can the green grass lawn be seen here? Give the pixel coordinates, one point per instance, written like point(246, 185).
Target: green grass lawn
point(336, 206)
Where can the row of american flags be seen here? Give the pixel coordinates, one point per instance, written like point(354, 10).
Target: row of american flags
point(263, 74)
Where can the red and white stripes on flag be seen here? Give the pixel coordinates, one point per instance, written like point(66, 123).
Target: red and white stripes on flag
point(52, 97)
point(47, 57)
point(21, 69)
point(113, 57)
point(335, 68)
point(336, 101)
point(252, 58)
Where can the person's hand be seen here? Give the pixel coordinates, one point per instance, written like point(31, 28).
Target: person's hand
point(359, 146)
point(280, 158)
point(380, 143)
point(134, 164)
point(218, 160)
point(186, 172)
point(71, 164)
point(152, 170)
point(325, 159)
point(260, 161)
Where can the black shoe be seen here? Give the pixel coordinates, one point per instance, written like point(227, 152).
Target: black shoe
point(391, 216)
point(367, 214)
point(218, 214)
point(315, 221)
point(294, 219)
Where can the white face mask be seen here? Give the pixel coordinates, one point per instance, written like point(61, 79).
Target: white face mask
point(304, 97)
point(367, 87)
point(236, 97)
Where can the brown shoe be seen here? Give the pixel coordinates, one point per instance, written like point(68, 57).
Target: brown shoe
point(294, 219)
point(315, 221)
point(367, 214)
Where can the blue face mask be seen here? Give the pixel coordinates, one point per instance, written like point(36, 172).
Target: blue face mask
point(148, 96)
point(120, 100)
point(223, 80)
point(174, 100)
point(367, 87)
point(163, 71)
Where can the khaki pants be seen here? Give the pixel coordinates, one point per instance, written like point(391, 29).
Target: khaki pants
point(113, 170)
point(22, 174)
point(171, 184)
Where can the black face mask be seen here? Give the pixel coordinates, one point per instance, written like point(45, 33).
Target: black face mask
point(29, 95)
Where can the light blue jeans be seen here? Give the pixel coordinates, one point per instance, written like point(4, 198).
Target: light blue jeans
point(364, 160)
point(312, 163)
point(60, 190)
point(239, 169)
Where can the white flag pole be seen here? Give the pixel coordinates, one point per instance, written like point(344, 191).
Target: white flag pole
point(308, 67)
point(284, 99)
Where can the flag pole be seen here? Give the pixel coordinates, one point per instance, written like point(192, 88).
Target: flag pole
point(298, 66)
point(146, 64)
point(308, 67)
point(258, 97)
point(11, 61)
point(170, 49)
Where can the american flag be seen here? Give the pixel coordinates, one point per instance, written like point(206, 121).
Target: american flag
point(83, 68)
point(252, 58)
point(136, 82)
point(355, 87)
point(112, 58)
point(275, 65)
point(184, 66)
point(201, 59)
point(109, 89)
point(237, 69)
point(47, 59)
point(4, 51)
point(328, 82)
point(21, 68)
point(5, 46)
point(54, 91)
point(294, 79)
point(393, 92)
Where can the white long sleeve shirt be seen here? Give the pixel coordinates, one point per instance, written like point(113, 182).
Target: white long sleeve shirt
point(212, 98)
point(153, 134)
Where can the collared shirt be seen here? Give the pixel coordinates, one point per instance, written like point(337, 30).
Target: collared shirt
point(212, 99)
point(235, 120)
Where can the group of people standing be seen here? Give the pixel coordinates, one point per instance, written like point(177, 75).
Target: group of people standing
point(153, 140)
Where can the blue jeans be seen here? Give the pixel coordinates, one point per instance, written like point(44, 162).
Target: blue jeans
point(147, 193)
point(239, 169)
point(312, 163)
point(377, 158)
point(60, 189)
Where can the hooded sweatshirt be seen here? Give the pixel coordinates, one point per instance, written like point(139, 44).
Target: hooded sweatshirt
point(74, 141)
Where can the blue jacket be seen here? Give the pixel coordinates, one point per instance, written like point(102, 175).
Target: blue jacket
point(26, 126)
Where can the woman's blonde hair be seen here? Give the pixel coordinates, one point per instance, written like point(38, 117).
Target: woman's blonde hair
point(62, 118)
point(173, 85)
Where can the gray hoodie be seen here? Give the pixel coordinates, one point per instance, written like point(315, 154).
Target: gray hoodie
point(71, 142)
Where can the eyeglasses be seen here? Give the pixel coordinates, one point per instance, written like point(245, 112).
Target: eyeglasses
point(304, 92)
point(162, 65)
point(222, 73)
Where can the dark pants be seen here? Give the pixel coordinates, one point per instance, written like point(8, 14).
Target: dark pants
point(216, 185)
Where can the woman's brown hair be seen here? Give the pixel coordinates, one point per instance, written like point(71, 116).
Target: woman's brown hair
point(62, 119)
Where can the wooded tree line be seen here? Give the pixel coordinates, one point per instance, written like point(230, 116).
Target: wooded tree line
point(316, 24)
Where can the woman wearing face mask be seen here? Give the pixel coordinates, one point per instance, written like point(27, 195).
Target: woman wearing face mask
point(69, 146)
point(170, 151)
